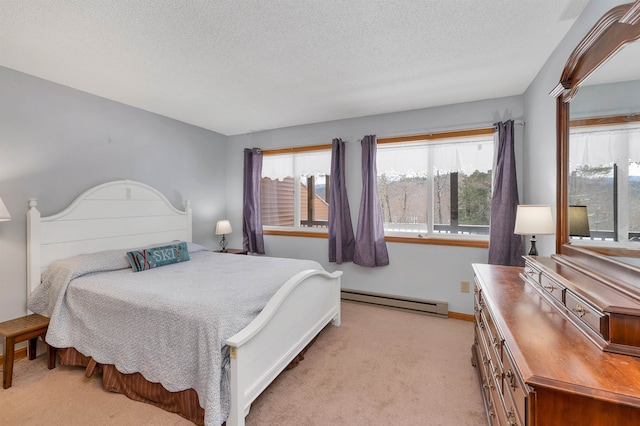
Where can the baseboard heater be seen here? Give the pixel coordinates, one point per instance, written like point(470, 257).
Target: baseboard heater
point(421, 306)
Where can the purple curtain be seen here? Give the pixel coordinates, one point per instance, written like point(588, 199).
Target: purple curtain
point(371, 249)
point(341, 239)
point(251, 213)
point(505, 247)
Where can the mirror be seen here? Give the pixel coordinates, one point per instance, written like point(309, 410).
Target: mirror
point(601, 79)
point(604, 173)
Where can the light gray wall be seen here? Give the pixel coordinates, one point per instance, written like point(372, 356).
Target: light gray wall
point(423, 271)
point(56, 142)
point(618, 98)
point(540, 131)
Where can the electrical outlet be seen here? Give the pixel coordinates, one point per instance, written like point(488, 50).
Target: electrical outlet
point(464, 286)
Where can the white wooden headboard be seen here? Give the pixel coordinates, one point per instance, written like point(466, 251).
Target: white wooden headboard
point(121, 214)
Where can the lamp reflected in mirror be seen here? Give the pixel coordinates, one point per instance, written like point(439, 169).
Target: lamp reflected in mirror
point(578, 222)
point(4, 213)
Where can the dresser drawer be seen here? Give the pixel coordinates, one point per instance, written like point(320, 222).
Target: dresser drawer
point(511, 413)
point(495, 369)
point(587, 314)
point(493, 405)
point(477, 306)
point(494, 341)
point(492, 408)
point(486, 354)
point(555, 289)
point(515, 391)
point(514, 417)
point(477, 294)
point(532, 273)
point(501, 414)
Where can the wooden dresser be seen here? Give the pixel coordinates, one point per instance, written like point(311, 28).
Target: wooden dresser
point(542, 362)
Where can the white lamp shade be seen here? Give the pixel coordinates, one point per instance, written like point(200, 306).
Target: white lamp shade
point(4, 213)
point(534, 220)
point(223, 227)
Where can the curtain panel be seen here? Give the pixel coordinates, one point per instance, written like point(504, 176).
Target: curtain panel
point(341, 239)
point(505, 247)
point(253, 240)
point(370, 247)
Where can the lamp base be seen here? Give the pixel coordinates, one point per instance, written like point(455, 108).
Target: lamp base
point(533, 251)
point(223, 244)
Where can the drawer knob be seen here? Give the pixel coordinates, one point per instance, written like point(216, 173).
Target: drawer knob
point(549, 287)
point(512, 379)
point(492, 412)
point(580, 311)
point(496, 343)
point(511, 417)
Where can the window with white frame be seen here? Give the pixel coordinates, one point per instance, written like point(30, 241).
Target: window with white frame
point(295, 188)
point(604, 181)
point(436, 188)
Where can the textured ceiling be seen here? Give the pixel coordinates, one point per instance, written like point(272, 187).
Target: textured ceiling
point(237, 66)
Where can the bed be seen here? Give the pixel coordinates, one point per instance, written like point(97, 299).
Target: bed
point(122, 215)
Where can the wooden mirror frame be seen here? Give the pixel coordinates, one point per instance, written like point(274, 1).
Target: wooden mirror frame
point(617, 28)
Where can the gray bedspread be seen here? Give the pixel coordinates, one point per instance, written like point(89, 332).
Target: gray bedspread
point(168, 323)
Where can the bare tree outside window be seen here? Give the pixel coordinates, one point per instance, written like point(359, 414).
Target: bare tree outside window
point(412, 187)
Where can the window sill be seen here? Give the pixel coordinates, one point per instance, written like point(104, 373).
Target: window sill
point(457, 242)
point(296, 233)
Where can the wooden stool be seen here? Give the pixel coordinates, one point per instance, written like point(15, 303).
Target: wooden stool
point(18, 330)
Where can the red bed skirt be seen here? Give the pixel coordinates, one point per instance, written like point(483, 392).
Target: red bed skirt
point(136, 387)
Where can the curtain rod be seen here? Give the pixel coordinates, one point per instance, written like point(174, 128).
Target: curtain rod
point(325, 146)
point(443, 130)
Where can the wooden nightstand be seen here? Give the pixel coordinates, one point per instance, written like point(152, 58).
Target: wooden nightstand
point(233, 251)
point(18, 330)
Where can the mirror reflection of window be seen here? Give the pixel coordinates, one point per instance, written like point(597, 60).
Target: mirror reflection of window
point(604, 176)
point(634, 196)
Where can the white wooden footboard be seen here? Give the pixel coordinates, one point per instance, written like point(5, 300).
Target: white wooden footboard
point(291, 319)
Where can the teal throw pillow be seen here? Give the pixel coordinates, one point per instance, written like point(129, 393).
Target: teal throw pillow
point(149, 258)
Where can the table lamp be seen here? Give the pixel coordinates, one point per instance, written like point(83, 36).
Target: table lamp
point(534, 220)
point(223, 227)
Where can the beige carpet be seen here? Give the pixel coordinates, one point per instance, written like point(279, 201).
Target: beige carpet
point(381, 367)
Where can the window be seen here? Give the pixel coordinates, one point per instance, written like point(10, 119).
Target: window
point(436, 185)
point(604, 177)
point(295, 188)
